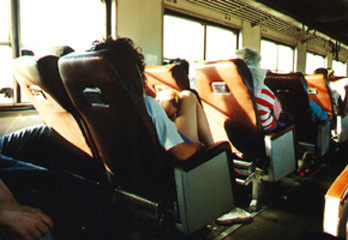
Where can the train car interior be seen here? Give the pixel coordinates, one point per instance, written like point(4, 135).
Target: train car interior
point(249, 182)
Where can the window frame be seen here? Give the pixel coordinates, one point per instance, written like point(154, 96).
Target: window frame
point(204, 23)
point(15, 44)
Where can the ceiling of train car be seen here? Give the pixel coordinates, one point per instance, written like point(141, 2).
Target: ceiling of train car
point(327, 16)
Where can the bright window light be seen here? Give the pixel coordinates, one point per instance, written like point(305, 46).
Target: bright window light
point(183, 39)
point(339, 67)
point(4, 21)
point(49, 23)
point(220, 44)
point(314, 61)
point(6, 72)
point(285, 59)
point(276, 57)
point(268, 55)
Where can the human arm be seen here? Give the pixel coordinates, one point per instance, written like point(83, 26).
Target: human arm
point(22, 221)
point(277, 109)
point(184, 150)
point(5, 193)
point(167, 132)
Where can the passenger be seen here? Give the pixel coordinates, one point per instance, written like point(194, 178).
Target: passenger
point(269, 107)
point(190, 119)
point(338, 89)
point(61, 50)
point(20, 221)
point(186, 112)
point(60, 194)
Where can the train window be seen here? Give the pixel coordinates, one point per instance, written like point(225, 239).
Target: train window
point(61, 24)
point(44, 24)
point(276, 57)
point(339, 67)
point(314, 61)
point(220, 44)
point(183, 39)
point(196, 41)
point(6, 83)
point(4, 21)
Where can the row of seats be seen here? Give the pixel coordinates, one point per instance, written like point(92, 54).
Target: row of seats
point(103, 113)
point(108, 120)
point(226, 91)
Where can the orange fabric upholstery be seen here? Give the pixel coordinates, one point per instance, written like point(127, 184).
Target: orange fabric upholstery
point(235, 109)
point(40, 82)
point(172, 76)
point(323, 96)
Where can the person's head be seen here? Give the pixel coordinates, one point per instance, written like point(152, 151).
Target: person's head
point(27, 52)
point(321, 71)
point(169, 100)
point(61, 51)
point(249, 55)
point(127, 45)
point(182, 62)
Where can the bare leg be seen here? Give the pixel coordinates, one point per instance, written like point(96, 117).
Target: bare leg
point(191, 120)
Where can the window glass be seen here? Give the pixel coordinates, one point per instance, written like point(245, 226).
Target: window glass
point(4, 21)
point(183, 39)
point(314, 61)
point(45, 24)
point(285, 58)
point(220, 43)
point(6, 83)
point(48, 23)
point(339, 67)
point(276, 57)
point(268, 55)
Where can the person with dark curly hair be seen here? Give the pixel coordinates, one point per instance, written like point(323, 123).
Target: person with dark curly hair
point(190, 129)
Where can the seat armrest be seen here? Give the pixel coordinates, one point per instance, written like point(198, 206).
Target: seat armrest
point(204, 155)
point(328, 120)
point(277, 134)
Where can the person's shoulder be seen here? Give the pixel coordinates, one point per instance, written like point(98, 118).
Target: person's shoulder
point(152, 105)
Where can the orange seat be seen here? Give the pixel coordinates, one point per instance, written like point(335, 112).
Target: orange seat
point(171, 76)
point(292, 91)
point(110, 100)
point(40, 82)
point(226, 90)
point(322, 95)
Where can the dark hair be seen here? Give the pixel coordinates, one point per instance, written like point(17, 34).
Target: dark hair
point(321, 71)
point(125, 44)
point(61, 51)
point(182, 62)
point(27, 52)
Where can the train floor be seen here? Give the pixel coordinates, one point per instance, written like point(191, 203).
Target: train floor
point(291, 209)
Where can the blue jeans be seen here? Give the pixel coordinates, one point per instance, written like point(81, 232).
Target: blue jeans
point(42, 146)
point(318, 114)
point(79, 208)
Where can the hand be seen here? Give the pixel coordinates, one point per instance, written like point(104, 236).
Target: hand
point(23, 221)
point(5, 193)
point(277, 109)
